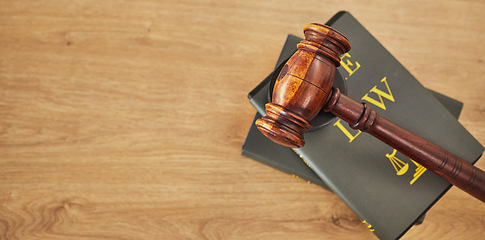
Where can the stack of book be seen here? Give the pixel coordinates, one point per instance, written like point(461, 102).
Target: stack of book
point(388, 191)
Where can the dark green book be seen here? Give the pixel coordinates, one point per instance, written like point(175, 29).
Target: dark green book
point(387, 190)
point(260, 148)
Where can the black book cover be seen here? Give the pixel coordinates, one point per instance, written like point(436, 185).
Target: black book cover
point(387, 190)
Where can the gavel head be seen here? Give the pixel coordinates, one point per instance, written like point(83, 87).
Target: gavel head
point(303, 85)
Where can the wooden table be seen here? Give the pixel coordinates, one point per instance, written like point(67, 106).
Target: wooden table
point(125, 119)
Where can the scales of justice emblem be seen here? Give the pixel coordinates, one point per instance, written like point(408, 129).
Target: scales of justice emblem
point(402, 167)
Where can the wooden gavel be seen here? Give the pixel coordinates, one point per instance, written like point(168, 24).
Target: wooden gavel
point(304, 87)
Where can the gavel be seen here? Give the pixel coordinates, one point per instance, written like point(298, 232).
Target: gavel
point(304, 87)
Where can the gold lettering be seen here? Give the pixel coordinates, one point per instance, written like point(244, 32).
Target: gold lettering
point(346, 65)
point(307, 181)
point(368, 225)
point(380, 94)
point(299, 155)
point(346, 132)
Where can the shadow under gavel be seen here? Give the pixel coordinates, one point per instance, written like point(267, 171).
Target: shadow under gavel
point(304, 87)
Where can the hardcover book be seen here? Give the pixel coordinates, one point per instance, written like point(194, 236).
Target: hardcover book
point(260, 148)
point(387, 190)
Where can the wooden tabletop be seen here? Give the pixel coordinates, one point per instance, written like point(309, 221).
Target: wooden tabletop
point(125, 119)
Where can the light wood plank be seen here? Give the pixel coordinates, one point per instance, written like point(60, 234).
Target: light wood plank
point(125, 119)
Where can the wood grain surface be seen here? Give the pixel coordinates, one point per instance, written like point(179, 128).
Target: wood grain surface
point(125, 119)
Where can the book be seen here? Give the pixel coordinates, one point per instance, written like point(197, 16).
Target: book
point(260, 148)
point(387, 190)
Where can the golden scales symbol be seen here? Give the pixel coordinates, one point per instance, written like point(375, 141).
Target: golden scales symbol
point(402, 167)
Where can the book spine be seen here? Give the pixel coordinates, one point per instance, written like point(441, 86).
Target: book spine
point(283, 169)
point(258, 107)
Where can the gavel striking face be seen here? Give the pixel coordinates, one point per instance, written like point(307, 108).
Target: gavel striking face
point(304, 87)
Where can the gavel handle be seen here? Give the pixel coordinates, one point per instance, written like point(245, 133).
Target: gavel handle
point(446, 165)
